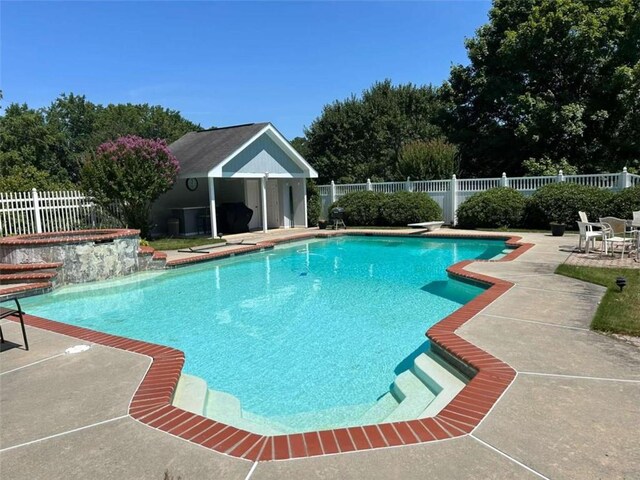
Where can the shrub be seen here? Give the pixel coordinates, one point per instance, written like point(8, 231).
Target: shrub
point(401, 208)
point(361, 208)
point(494, 208)
point(561, 202)
point(314, 205)
point(626, 202)
point(381, 209)
point(131, 172)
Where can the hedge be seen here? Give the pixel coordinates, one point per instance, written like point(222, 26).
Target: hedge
point(495, 208)
point(402, 208)
point(381, 209)
point(360, 208)
point(561, 202)
point(626, 202)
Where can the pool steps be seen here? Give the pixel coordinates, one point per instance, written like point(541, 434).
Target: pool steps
point(27, 277)
point(413, 397)
point(380, 410)
point(441, 378)
point(222, 406)
point(421, 391)
point(193, 395)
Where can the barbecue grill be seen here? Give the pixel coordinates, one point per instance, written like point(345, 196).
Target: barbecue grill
point(337, 217)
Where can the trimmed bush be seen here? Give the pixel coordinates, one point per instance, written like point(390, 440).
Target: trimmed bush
point(401, 208)
point(561, 202)
point(364, 209)
point(360, 208)
point(626, 202)
point(495, 208)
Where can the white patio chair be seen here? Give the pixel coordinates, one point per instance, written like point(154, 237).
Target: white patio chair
point(614, 232)
point(587, 235)
point(635, 225)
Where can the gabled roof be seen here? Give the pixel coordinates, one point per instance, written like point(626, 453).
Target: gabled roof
point(199, 152)
point(204, 153)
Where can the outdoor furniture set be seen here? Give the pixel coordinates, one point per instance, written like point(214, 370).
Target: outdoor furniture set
point(612, 232)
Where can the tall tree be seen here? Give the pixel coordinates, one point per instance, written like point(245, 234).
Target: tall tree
point(300, 144)
point(59, 139)
point(361, 137)
point(432, 160)
point(27, 139)
point(551, 79)
point(142, 120)
point(73, 117)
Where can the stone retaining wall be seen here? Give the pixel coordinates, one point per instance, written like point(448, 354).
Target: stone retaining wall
point(95, 256)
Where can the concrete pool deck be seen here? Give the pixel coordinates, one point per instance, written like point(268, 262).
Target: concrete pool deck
point(571, 412)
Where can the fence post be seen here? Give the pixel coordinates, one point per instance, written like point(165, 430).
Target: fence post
point(505, 180)
point(333, 192)
point(560, 177)
point(36, 210)
point(369, 186)
point(454, 200)
point(408, 186)
point(625, 181)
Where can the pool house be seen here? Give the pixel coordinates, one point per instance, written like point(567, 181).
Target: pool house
point(233, 179)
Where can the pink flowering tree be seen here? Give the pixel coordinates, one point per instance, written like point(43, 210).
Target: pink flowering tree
point(131, 172)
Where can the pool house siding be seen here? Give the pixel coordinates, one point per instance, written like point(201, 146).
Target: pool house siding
point(249, 164)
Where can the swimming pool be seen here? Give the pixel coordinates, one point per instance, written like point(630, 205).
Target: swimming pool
point(309, 335)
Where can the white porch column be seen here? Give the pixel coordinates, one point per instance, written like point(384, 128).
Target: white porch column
point(212, 207)
point(453, 202)
point(304, 203)
point(263, 190)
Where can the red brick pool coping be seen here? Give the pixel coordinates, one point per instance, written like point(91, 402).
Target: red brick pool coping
point(71, 236)
point(151, 403)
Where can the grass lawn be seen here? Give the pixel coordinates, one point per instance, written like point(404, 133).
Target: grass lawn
point(180, 243)
point(619, 312)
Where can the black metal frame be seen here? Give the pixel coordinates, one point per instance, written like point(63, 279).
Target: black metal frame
point(7, 312)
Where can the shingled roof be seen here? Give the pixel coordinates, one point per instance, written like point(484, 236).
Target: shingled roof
point(199, 152)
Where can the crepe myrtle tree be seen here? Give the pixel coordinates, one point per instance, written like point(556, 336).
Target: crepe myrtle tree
point(130, 173)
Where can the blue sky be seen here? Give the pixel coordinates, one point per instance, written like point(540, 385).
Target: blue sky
point(223, 63)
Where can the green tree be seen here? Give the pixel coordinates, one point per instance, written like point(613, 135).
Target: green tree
point(300, 144)
point(24, 178)
point(57, 140)
point(538, 167)
point(74, 120)
point(549, 78)
point(431, 160)
point(361, 137)
point(131, 172)
point(26, 139)
point(146, 121)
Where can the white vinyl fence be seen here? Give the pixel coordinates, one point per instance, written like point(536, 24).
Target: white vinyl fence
point(41, 212)
point(449, 194)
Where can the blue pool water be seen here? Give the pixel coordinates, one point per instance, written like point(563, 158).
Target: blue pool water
point(314, 326)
